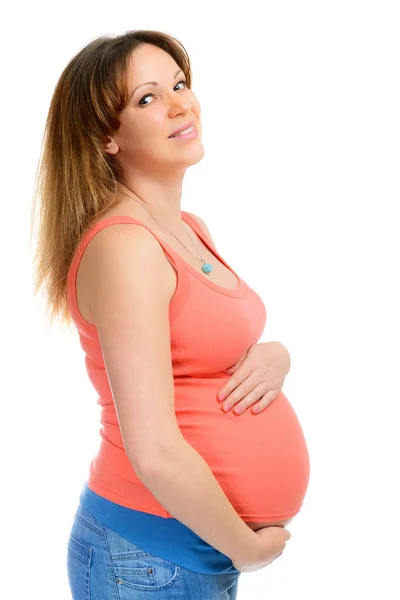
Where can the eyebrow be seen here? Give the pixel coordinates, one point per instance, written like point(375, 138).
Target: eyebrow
point(154, 83)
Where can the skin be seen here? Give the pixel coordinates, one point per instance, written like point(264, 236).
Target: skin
point(154, 165)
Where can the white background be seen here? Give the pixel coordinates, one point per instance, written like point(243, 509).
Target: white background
point(299, 187)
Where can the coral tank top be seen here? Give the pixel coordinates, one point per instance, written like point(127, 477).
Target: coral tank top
point(260, 461)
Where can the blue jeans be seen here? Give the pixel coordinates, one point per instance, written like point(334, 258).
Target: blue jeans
point(102, 565)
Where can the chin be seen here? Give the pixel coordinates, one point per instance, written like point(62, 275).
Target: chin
point(190, 157)
point(196, 155)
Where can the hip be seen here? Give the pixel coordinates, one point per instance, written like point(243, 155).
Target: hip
point(102, 564)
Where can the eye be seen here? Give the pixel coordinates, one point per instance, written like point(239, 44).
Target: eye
point(147, 95)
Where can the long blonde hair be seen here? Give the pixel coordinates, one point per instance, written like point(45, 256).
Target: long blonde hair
point(76, 180)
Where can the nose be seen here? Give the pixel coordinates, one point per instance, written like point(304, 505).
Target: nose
point(180, 107)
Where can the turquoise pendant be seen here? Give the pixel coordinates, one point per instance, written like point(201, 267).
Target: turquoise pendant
point(207, 268)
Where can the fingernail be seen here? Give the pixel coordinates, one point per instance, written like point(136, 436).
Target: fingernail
point(222, 395)
point(227, 406)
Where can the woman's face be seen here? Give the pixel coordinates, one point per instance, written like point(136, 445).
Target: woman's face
point(153, 113)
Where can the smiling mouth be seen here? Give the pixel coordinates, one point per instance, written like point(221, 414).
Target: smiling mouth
point(184, 132)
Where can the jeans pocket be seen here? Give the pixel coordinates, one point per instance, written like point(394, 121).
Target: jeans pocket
point(79, 560)
point(138, 569)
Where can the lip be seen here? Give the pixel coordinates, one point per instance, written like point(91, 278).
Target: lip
point(182, 128)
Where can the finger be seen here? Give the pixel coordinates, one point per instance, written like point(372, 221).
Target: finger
point(249, 399)
point(247, 391)
point(232, 384)
point(264, 402)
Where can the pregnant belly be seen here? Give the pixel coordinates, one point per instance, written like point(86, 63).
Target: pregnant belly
point(261, 461)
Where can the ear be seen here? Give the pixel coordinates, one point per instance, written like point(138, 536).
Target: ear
point(110, 145)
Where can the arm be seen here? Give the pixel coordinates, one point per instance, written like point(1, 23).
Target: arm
point(129, 301)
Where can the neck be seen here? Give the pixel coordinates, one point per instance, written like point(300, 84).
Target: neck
point(162, 199)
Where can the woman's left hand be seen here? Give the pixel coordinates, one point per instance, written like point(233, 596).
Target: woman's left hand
point(258, 376)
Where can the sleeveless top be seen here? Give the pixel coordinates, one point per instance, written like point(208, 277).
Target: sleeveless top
point(260, 461)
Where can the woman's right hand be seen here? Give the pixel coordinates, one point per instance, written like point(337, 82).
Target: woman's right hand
point(271, 544)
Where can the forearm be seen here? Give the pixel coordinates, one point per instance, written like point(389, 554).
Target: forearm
point(185, 486)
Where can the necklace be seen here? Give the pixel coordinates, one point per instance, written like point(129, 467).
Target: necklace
point(207, 267)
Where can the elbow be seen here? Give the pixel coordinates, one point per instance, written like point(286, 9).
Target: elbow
point(153, 460)
point(144, 465)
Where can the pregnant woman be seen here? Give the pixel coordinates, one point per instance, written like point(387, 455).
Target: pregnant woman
point(181, 496)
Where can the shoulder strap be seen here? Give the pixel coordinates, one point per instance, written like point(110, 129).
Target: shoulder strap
point(197, 228)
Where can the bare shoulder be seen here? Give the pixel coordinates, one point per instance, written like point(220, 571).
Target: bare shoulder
point(117, 255)
point(202, 225)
